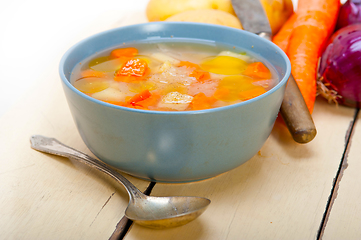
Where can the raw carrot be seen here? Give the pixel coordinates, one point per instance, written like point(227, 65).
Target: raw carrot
point(282, 38)
point(307, 33)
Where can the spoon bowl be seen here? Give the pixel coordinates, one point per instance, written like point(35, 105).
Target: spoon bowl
point(176, 211)
point(148, 211)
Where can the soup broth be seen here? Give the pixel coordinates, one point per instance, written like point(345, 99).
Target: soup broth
point(173, 76)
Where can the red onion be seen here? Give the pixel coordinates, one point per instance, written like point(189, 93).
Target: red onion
point(350, 13)
point(340, 67)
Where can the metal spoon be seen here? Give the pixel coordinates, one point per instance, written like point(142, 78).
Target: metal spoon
point(148, 211)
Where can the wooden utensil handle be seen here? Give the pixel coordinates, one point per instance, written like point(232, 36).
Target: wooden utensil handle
point(296, 115)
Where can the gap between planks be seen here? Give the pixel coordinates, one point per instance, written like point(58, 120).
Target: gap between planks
point(339, 174)
point(124, 225)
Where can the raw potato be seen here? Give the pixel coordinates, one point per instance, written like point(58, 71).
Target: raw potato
point(207, 16)
point(160, 10)
point(278, 11)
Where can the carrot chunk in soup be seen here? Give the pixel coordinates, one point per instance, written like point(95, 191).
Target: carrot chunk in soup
point(124, 52)
point(200, 75)
point(201, 101)
point(257, 70)
point(133, 67)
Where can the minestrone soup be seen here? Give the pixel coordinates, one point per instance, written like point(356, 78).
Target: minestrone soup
point(173, 76)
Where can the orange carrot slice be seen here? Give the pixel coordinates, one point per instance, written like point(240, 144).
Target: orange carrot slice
point(251, 93)
point(133, 67)
point(130, 78)
point(139, 97)
point(133, 70)
point(201, 101)
point(257, 70)
point(200, 75)
point(152, 100)
point(189, 64)
point(222, 94)
point(124, 52)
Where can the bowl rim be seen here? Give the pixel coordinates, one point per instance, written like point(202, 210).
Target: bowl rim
point(282, 82)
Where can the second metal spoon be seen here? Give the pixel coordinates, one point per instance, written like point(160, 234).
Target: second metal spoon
point(149, 211)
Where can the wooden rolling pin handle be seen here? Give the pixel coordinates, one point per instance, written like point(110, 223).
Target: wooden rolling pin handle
point(296, 114)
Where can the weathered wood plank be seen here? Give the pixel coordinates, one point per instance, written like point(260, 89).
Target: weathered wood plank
point(279, 194)
point(344, 219)
point(48, 197)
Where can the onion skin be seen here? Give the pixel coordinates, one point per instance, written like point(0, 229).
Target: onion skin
point(350, 13)
point(340, 65)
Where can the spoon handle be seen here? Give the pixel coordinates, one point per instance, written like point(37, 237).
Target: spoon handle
point(53, 146)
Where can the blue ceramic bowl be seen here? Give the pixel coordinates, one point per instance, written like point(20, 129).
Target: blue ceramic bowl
point(175, 146)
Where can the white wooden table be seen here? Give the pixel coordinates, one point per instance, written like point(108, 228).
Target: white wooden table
point(288, 191)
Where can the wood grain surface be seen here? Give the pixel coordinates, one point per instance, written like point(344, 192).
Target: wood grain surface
point(286, 191)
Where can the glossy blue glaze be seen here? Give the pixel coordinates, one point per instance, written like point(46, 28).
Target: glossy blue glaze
point(175, 146)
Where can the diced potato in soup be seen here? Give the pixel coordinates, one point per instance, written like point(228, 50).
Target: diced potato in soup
point(174, 75)
point(109, 94)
